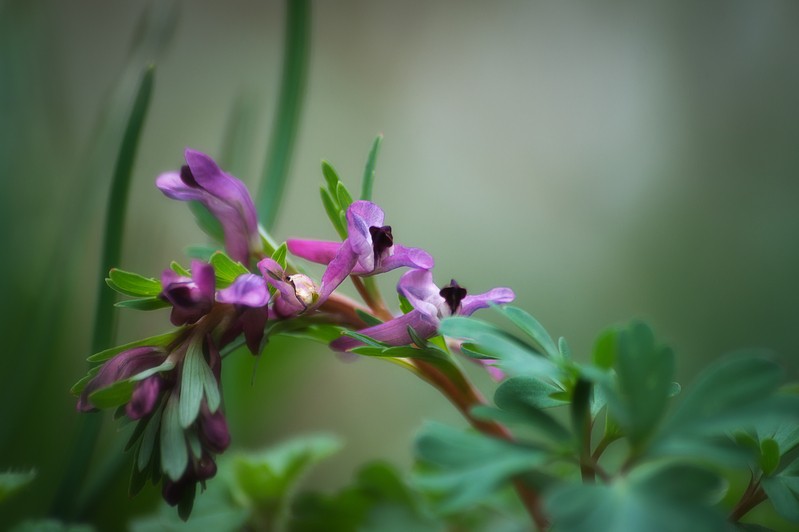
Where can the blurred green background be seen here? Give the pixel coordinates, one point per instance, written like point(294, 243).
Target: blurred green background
point(606, 160)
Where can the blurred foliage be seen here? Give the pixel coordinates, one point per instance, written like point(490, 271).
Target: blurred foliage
point(640, 157)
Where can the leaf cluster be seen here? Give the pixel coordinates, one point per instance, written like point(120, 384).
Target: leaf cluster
point(667, 463)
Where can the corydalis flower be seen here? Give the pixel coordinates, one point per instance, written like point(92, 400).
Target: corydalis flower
point(191, 298)
point(369, 248)
point(295, 294)
point(127, 365)
point(223, 195)
point(249, 296)
point(430, 304)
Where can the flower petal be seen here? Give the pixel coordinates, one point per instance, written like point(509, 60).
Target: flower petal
point(247, 289)
point(318, 251)
point(404, 257)
point(496, 296)
point(420, 290)
point(393, 332)
point(338, 270)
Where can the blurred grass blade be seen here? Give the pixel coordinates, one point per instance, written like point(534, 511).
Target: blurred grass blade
point(284, 131)
point(105, 316)
point(369, 171)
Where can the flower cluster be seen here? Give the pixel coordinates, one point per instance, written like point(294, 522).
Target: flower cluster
point(171, 386)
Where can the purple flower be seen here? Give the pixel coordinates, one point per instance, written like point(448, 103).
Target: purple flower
point(430, 304)
point(199, 470)
point(368, 250)
point(249, 295)
point(223, 195)
point(123, 366)
point(295, 293)
point(193, 298)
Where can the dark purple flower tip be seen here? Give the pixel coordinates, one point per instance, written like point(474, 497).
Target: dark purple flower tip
point(145, 397)
point(247, 290)
point(214, 433)
point(122, 366)
point(193, 298)
point(198, 471)
point(226, 197)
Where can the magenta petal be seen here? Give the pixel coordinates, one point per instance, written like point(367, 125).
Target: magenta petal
point(338, 270)
point(495, 296)
point(318, 251)
point(120, 367)
point(393, 332)
point(214, 432)
point(405, 257)
point(420, 290)
point(144, 398)
point(253, 323)
point(204, 277)
point(286, 303)
point(223, 195)
point(248, 290)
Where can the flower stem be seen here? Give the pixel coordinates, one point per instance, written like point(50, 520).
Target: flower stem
point(753, 496)
point(448, 378)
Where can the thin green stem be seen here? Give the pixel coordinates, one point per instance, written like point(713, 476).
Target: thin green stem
point(64, 504)
point(289, 107)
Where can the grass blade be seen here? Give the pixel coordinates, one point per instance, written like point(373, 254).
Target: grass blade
point(284, 131)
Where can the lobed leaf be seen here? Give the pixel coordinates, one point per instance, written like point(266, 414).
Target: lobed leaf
point(132, 284)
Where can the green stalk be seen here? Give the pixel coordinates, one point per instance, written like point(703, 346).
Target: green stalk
point(284, 130)
point(105, 316)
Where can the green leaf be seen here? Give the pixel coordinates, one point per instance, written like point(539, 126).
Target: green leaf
point(174, 453)
point(192, 383)
point(727, 395)
point(264, 481)
point(112, 396)
point(296, 50)
point(605, 349)
point(322, 333)
point(379, 500)
point(331, 177)
point(14, 481)
point(226, 269)
point(430, 354)
point(79, 386)
point(466, 467)
point(512, 355)
point(160, 340)
point(674, 498)
point(279, 255)
point(563, 347)
point(532, 328)
point(367, 318)
point(132, 284)
point(207, 221)
point(201, 252)
point(180, 270)
point(645, 372)
point(333, 212)
point(343, 196)
point(528, 391)
point(783, 492)
point(166, 365)
point(145, 450)
point(404, 304)
point(144, 303)
point(369, 170)
point(769, 456)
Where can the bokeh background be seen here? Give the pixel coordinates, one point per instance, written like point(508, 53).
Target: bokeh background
point(606, 160)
